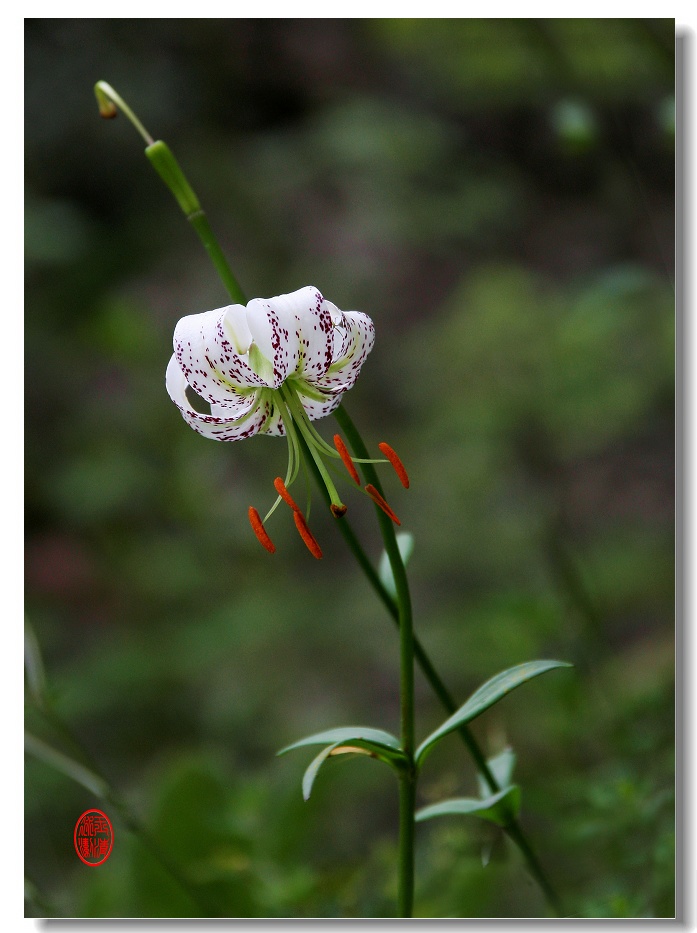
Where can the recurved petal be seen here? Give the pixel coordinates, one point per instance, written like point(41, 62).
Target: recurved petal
point(238, 417)
point(204, 346)
point(354, 336)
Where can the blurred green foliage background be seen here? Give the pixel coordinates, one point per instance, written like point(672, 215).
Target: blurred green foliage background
point(498, 196)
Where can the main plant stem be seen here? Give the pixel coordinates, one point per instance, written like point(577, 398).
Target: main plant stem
point(407, 777)
point(163, 161)
point(102, 789)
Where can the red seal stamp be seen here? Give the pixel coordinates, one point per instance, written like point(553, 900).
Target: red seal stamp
point(93, 837)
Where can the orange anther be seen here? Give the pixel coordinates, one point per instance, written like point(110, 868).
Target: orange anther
point(284, 494)
point(396, 463)
point(259, 530)
point(307, 535)
point(379, 501)
point(346, 458)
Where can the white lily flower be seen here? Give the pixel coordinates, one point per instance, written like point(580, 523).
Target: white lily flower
point(249, 362)
point(272, 367)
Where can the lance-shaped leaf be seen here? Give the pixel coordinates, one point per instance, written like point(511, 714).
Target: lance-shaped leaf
point(382, 744)
point(500, 808)
point(66, 765)
point(33, 666)
point(501, 767)
point(489, 693)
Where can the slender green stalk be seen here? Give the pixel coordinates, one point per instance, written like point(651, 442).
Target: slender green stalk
point(100, 786)
point(407, 824)
point(407, 782)
point(199, 222)
point(169, 170)
point(43, 907)
point(407, 777)
point(110, 102)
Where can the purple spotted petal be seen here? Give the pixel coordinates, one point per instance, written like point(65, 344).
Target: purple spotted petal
point(271, 333)
point(354, 336)
point(238, 417)
point(231, 355)
point(307, 328)
point(316, 409)
point(203, 347)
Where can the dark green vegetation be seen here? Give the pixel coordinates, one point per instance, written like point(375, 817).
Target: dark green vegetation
point(498, 196)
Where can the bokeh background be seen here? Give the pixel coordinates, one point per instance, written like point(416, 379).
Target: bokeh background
point(498, 196)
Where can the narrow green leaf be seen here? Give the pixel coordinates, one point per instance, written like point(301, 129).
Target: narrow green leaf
point(383, 744)
point(338, 748)
point(61, 762)
point(500, 808)
point(489, 693)
point(405, 543)
point(501, 767)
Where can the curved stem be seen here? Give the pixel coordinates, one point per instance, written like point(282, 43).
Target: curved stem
point(113, 799)
point(169, 170)
point(110, 102)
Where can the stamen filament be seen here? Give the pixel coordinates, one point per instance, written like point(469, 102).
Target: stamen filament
point(300, 414)
point(272, 509)
point(381, 503)
point(259, 530)
point(284, 494)
point(307, 535)
point(294, 456)
point(346, 459)
point(396, 464)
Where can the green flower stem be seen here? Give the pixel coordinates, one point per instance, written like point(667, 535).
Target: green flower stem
point(407, 826)
point(407, 783)
point(514, 829)
point(169, 170)
point(110, 102)
point(42, 906)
